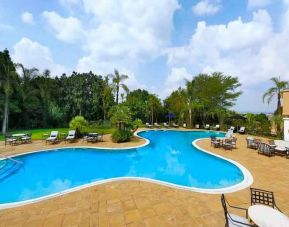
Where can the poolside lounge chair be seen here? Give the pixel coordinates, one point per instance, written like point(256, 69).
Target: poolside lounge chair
point(233, 219)
point(175, 125)
point(207, 126)
point(232, 128)
point(197, 126)
point(217, 127)
point(149, 125)
point(229, 134)
point(71, 136)
point(157, 125)
point(266, 149)
point(242, 130)
point(281, 147)
point(259, 196)
point(166, 125)
point(53, 138)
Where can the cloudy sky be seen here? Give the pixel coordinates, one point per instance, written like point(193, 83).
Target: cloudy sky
point(157, 43)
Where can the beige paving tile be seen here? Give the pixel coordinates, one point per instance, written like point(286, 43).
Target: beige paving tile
point(137, 203)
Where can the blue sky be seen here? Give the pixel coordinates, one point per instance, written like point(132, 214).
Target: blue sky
point(157, 43)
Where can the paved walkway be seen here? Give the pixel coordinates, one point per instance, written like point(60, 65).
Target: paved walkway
point(135, 203)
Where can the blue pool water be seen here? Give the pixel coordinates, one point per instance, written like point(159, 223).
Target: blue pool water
point(170, 157)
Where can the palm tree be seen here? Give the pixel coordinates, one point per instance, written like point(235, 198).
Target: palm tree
point(7, 72)
point(117, 80)
point(276, 90)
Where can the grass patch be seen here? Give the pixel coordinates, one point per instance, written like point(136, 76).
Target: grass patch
point(37, 133)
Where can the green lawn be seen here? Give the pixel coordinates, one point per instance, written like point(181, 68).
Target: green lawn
point(37, 133)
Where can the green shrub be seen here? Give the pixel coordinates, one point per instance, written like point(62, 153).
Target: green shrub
point(120, 136)
point(79, 124)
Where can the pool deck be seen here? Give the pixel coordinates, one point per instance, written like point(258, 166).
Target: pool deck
point(137, 203)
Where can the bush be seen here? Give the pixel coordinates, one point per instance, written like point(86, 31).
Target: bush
point(79, 124)
point(120, 136)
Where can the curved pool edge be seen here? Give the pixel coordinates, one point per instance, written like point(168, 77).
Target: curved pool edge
point(248, 178)
point(245, 183)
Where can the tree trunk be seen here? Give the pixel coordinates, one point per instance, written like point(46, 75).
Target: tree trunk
point(5, 117)
point(190, 117)
point(279, 104)
point(117, 91)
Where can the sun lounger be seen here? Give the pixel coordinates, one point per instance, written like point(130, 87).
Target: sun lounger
point(217, 127)
point(197, 126)
point(53, 138)
point(207, 126)
point(71, 136)
point(266, 149)
point(242, 130)
point(281, 147)
point(157, 125)
point(149, 125)
point(175, 125)
point(166, 125)
point(232, 128)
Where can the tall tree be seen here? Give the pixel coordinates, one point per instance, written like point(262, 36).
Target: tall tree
point(154, 107)
point(137, 102)
point(117, 83)
point(276, 91)
point(7, 72)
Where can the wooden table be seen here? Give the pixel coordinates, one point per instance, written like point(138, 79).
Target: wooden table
point(265, 216)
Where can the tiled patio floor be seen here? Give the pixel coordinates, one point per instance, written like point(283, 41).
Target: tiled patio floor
point(136, 203)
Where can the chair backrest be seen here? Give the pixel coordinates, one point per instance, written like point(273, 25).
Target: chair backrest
point(265, 148)
point(147, 123)
point(217, 126)
point(259, 196)
point(207, 125)
point(242, 129)
point(71, 132)
point(232, 128)
point(54, 134)
point(223, 201)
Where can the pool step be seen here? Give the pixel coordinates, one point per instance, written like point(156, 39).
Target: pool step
point(8, 167)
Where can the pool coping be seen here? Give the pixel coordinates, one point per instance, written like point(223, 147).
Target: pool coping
point(246, 182)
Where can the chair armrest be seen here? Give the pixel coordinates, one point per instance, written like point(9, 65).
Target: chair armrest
point(240, 208)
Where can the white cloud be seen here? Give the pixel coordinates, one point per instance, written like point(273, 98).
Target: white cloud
point(27, 18)
point(66, 29)
point(252, 51)
point(176, 78)
point(207, 7)
point(33, 54)
point(258, 3)
point(117, 34)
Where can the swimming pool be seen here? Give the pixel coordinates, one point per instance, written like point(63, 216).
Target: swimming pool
point(169, 158)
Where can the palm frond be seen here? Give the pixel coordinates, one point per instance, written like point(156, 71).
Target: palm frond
point(125, 88)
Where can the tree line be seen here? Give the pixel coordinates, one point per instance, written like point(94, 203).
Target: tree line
point(33, 99)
